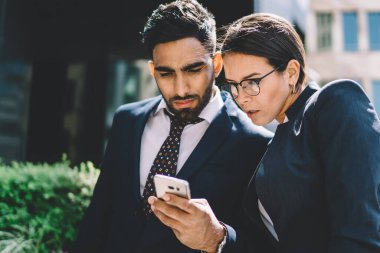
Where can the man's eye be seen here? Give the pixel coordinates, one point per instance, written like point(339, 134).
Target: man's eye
point(194, 70)
point(163, 74)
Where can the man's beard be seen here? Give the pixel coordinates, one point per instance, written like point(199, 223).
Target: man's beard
point(187, 114)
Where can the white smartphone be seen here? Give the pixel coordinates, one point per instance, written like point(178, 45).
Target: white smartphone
point(166, 184)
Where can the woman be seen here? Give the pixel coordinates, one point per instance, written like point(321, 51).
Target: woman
point(317, 188)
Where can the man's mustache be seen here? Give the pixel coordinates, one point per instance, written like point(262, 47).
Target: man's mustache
point(178, 98)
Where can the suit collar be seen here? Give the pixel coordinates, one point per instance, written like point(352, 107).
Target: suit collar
point(301, 100)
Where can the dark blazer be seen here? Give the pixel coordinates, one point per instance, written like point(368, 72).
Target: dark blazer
point(319, 180)
point(218, 169)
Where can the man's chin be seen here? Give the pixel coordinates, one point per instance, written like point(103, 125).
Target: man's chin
point(186, 114)
point(179, 109)
point(188, 109)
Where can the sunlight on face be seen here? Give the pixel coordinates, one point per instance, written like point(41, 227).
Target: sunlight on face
point(274, 89)
point(184, 73)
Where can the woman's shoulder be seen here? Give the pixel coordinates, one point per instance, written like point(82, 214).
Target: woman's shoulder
point(343, 92)
point(337, 99)
point(341, 88)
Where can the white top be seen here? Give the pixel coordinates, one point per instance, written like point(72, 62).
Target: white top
point(267, 220)
point(157, 129)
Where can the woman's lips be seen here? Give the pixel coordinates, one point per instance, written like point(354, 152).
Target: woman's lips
point(251, 113)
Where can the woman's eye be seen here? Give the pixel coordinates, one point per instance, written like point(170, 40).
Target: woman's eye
point(250, 82)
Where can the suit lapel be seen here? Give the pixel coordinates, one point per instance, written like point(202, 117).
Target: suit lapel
point(213, 138)
point(250, 203)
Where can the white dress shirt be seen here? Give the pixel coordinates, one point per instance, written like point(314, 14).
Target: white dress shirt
point(157, 129)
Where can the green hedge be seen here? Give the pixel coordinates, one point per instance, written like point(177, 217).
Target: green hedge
point(41, 205)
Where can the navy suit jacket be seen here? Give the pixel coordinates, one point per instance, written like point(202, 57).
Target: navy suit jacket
point(218, 169)
point(319, 180)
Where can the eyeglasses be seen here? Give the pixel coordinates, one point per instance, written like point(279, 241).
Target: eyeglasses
point(250, 86)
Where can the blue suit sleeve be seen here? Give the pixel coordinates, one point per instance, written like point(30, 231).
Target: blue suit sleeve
point(349, 143)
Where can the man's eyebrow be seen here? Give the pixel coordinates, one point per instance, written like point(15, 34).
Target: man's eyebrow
point(164, 69)
point(185, 68)
point(193, 65)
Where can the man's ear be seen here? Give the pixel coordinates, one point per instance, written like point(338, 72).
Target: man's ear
point(151, 67)
point(218, 63)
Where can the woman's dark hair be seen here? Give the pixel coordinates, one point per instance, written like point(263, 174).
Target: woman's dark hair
point(177, 20)
point(265, 35)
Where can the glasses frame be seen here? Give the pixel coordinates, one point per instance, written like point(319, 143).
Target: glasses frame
point(255, 80)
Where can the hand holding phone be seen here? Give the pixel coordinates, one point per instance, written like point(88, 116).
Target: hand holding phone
point(166, 184)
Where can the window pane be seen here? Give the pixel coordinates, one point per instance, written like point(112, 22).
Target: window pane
point(374, 30)
point(324, 31)
point(350, 31)
point(376, 95)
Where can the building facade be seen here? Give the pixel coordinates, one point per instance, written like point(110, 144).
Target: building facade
point(343, 41)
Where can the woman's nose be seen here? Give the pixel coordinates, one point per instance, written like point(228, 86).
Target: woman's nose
point(242, 98)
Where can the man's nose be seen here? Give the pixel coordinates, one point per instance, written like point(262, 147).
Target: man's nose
point(181, 86)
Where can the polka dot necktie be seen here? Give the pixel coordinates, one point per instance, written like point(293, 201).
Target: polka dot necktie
point(166, 160)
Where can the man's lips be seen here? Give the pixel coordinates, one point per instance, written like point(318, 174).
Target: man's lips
point(183, 103)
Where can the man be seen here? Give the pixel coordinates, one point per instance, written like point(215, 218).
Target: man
point(219, 147)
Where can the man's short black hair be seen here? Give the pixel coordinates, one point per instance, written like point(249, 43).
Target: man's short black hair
point(177, 20)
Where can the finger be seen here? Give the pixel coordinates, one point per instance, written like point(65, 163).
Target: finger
point(169, 210)
point(166, 220)
point(203, 202)
point(179, 202)
point(152, 199)
point(177, 233)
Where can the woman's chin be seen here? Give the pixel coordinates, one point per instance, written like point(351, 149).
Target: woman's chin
point(260, 121)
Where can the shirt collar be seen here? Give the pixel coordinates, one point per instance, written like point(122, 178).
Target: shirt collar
point(208, 113)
